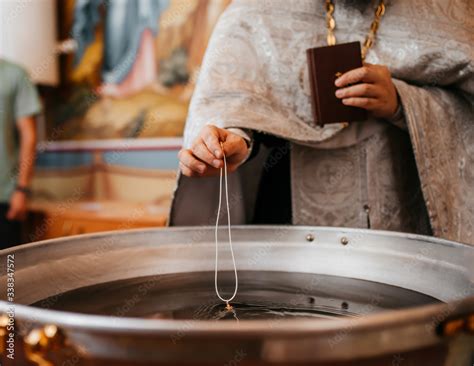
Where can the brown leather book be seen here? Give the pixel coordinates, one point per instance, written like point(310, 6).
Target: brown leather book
point(326, 64)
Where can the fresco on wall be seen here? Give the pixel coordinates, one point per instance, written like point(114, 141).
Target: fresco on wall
point(134, 69)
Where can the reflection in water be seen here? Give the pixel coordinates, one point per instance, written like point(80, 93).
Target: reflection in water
point(262, 295)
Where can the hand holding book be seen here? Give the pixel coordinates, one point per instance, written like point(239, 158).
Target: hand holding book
point(369, 87)
point(363, 87)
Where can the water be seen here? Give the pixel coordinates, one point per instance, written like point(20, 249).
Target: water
point(262, 295)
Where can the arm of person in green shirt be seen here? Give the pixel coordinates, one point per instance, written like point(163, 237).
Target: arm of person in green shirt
point(18, 201)
point(26, 105)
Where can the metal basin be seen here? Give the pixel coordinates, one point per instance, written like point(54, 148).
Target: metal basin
point(431, 322)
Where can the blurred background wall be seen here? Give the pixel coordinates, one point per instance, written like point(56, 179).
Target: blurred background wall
point(115, 78)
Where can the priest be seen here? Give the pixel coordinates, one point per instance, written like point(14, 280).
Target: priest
point(409, 167)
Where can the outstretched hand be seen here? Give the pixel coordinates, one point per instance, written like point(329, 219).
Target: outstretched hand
point(205, 157)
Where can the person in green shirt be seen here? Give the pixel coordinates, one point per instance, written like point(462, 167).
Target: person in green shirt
point(19, 104)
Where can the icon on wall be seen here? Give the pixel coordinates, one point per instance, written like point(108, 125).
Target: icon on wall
point(134, 69)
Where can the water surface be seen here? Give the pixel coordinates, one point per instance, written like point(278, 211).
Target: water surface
point(261, 295)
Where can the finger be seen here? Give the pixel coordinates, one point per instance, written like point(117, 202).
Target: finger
point(366, 103)
point(187, 158)
point(211, 137)
point(364, 74)
point(359, 90)
point(186, 171)
point(202, 153)
point(208, 172)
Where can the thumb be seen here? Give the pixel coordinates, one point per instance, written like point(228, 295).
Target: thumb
point(231, 145)
point(235, 148)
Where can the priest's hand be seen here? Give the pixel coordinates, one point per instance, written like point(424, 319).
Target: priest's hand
point(374, 92)
point(205, 158)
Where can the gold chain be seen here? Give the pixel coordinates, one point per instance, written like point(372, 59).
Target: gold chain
point(369, 40)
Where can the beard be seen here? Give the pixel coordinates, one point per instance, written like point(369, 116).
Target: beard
point(357, 4)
